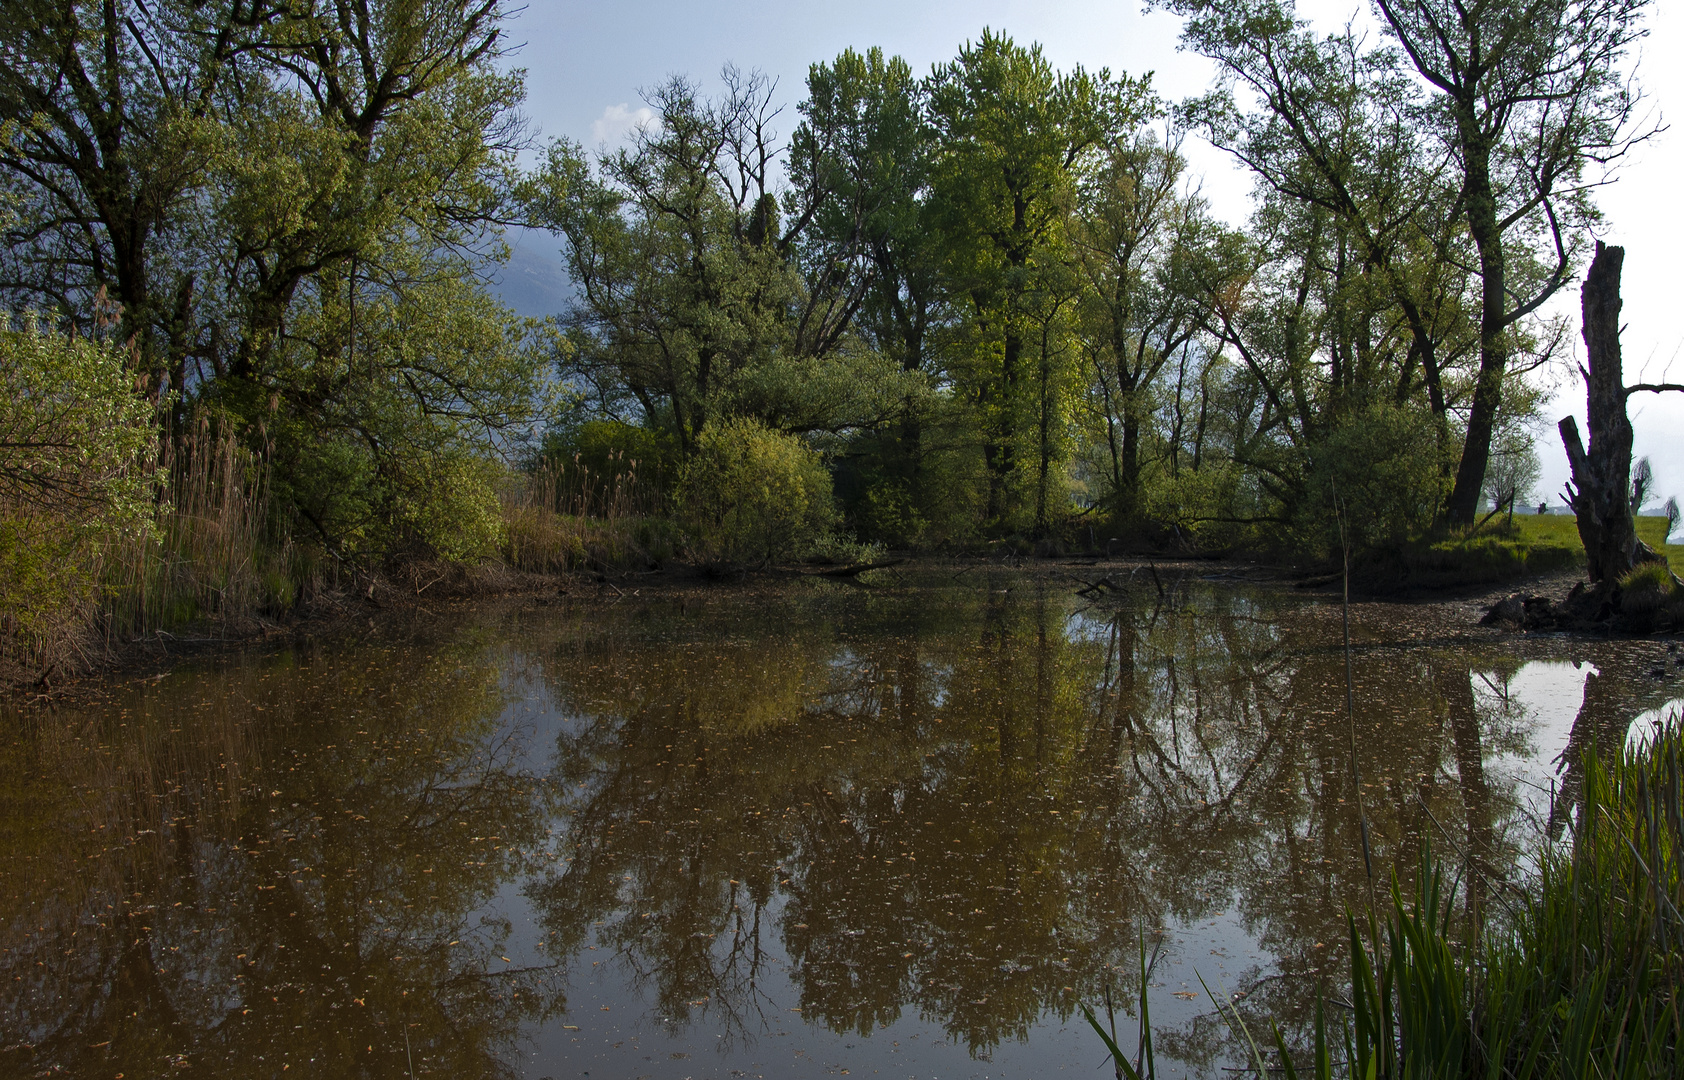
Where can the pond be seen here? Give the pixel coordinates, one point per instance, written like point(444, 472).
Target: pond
point(901, 830)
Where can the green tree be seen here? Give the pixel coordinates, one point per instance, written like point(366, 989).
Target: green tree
point(260, 188)
point(692, 305)
point(1531, 107)
point(1467, 143)
point(1012, 134)
point(113, 108)
point(1135, 230)
point(859, 166)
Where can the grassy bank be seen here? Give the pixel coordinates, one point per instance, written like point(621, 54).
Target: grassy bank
point(1500, 550)
point(1574, 972)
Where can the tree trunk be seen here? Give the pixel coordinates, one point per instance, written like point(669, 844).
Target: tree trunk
point(1600, 491)
point(1487, 235)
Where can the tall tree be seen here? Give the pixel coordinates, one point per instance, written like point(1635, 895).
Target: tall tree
point(692, 302)
point(113, 105)
point(859, 168)
point(1337, 127)
point(267, 191)
point(1134, 233)
point(1530, 98)
point(1013, 133)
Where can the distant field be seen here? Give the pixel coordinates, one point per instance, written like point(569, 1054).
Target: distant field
point(1533, 544)
point(1555, 537)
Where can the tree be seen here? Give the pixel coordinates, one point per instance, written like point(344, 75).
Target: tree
point(1134, 234)
point(691, 305)
point(1013, 134)
point(1527, 98)
point(260, 187)
point(1338, 128)
point(1514, 469)
point(77, 470)
point(113, 110)
point(859, 170)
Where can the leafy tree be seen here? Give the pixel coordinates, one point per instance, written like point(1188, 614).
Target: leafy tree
point(112, 107)
point(1134, 233)
point(1337, 128)
point(1013, 134)
point(859, 167)
point(1527, 100)
point(259, 187)
point(692, 307)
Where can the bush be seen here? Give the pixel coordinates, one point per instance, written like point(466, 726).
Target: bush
point(78, 465)
point(752, 495)
point(920, 484)
point(450, 508)
point(1386, 469)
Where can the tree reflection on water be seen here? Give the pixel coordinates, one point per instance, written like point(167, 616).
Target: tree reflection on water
point(965, 805)
point(266, 867)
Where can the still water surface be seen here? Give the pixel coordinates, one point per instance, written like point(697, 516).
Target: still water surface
point(901, 831)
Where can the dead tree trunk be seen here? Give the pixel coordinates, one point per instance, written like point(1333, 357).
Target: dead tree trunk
point(1600, 490)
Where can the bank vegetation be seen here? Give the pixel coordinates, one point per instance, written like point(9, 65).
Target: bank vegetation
point(255, 357)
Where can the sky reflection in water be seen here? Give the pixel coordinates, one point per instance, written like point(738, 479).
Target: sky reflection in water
point(899, 831)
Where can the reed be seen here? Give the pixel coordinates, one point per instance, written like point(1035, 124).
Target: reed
point(564, 516)
point(210, 554)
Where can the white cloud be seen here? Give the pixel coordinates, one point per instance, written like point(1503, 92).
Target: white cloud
point(618, 122)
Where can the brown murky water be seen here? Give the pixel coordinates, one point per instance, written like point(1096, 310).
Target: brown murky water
point(899, 831)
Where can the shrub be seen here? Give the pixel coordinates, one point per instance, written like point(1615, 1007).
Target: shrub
point(450, 508)
point(77, 467)
point(751, 495)
point(1388, 471)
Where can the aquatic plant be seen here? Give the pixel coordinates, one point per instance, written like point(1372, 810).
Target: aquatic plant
point(566, 515)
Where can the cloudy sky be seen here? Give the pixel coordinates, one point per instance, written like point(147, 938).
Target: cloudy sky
point(586, 63)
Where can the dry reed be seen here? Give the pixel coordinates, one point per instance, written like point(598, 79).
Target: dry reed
point(209, 554)
point(564, 516)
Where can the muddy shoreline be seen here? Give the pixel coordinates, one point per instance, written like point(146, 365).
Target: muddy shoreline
point(384, 605)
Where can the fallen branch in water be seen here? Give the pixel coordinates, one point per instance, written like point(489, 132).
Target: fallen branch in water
point(857, 569)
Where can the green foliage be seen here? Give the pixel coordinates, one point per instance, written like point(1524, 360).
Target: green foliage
point(988, 293)
point(920, 485)
point(752, 495)
point(1379, 478)
point(77, 473)
point(74, 430)
point(395, 460)
point(1198, 506)
point(292, 233)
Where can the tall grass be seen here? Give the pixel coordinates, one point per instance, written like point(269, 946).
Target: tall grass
point(210, 553)
point(1576, 976)
point(563, 515)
